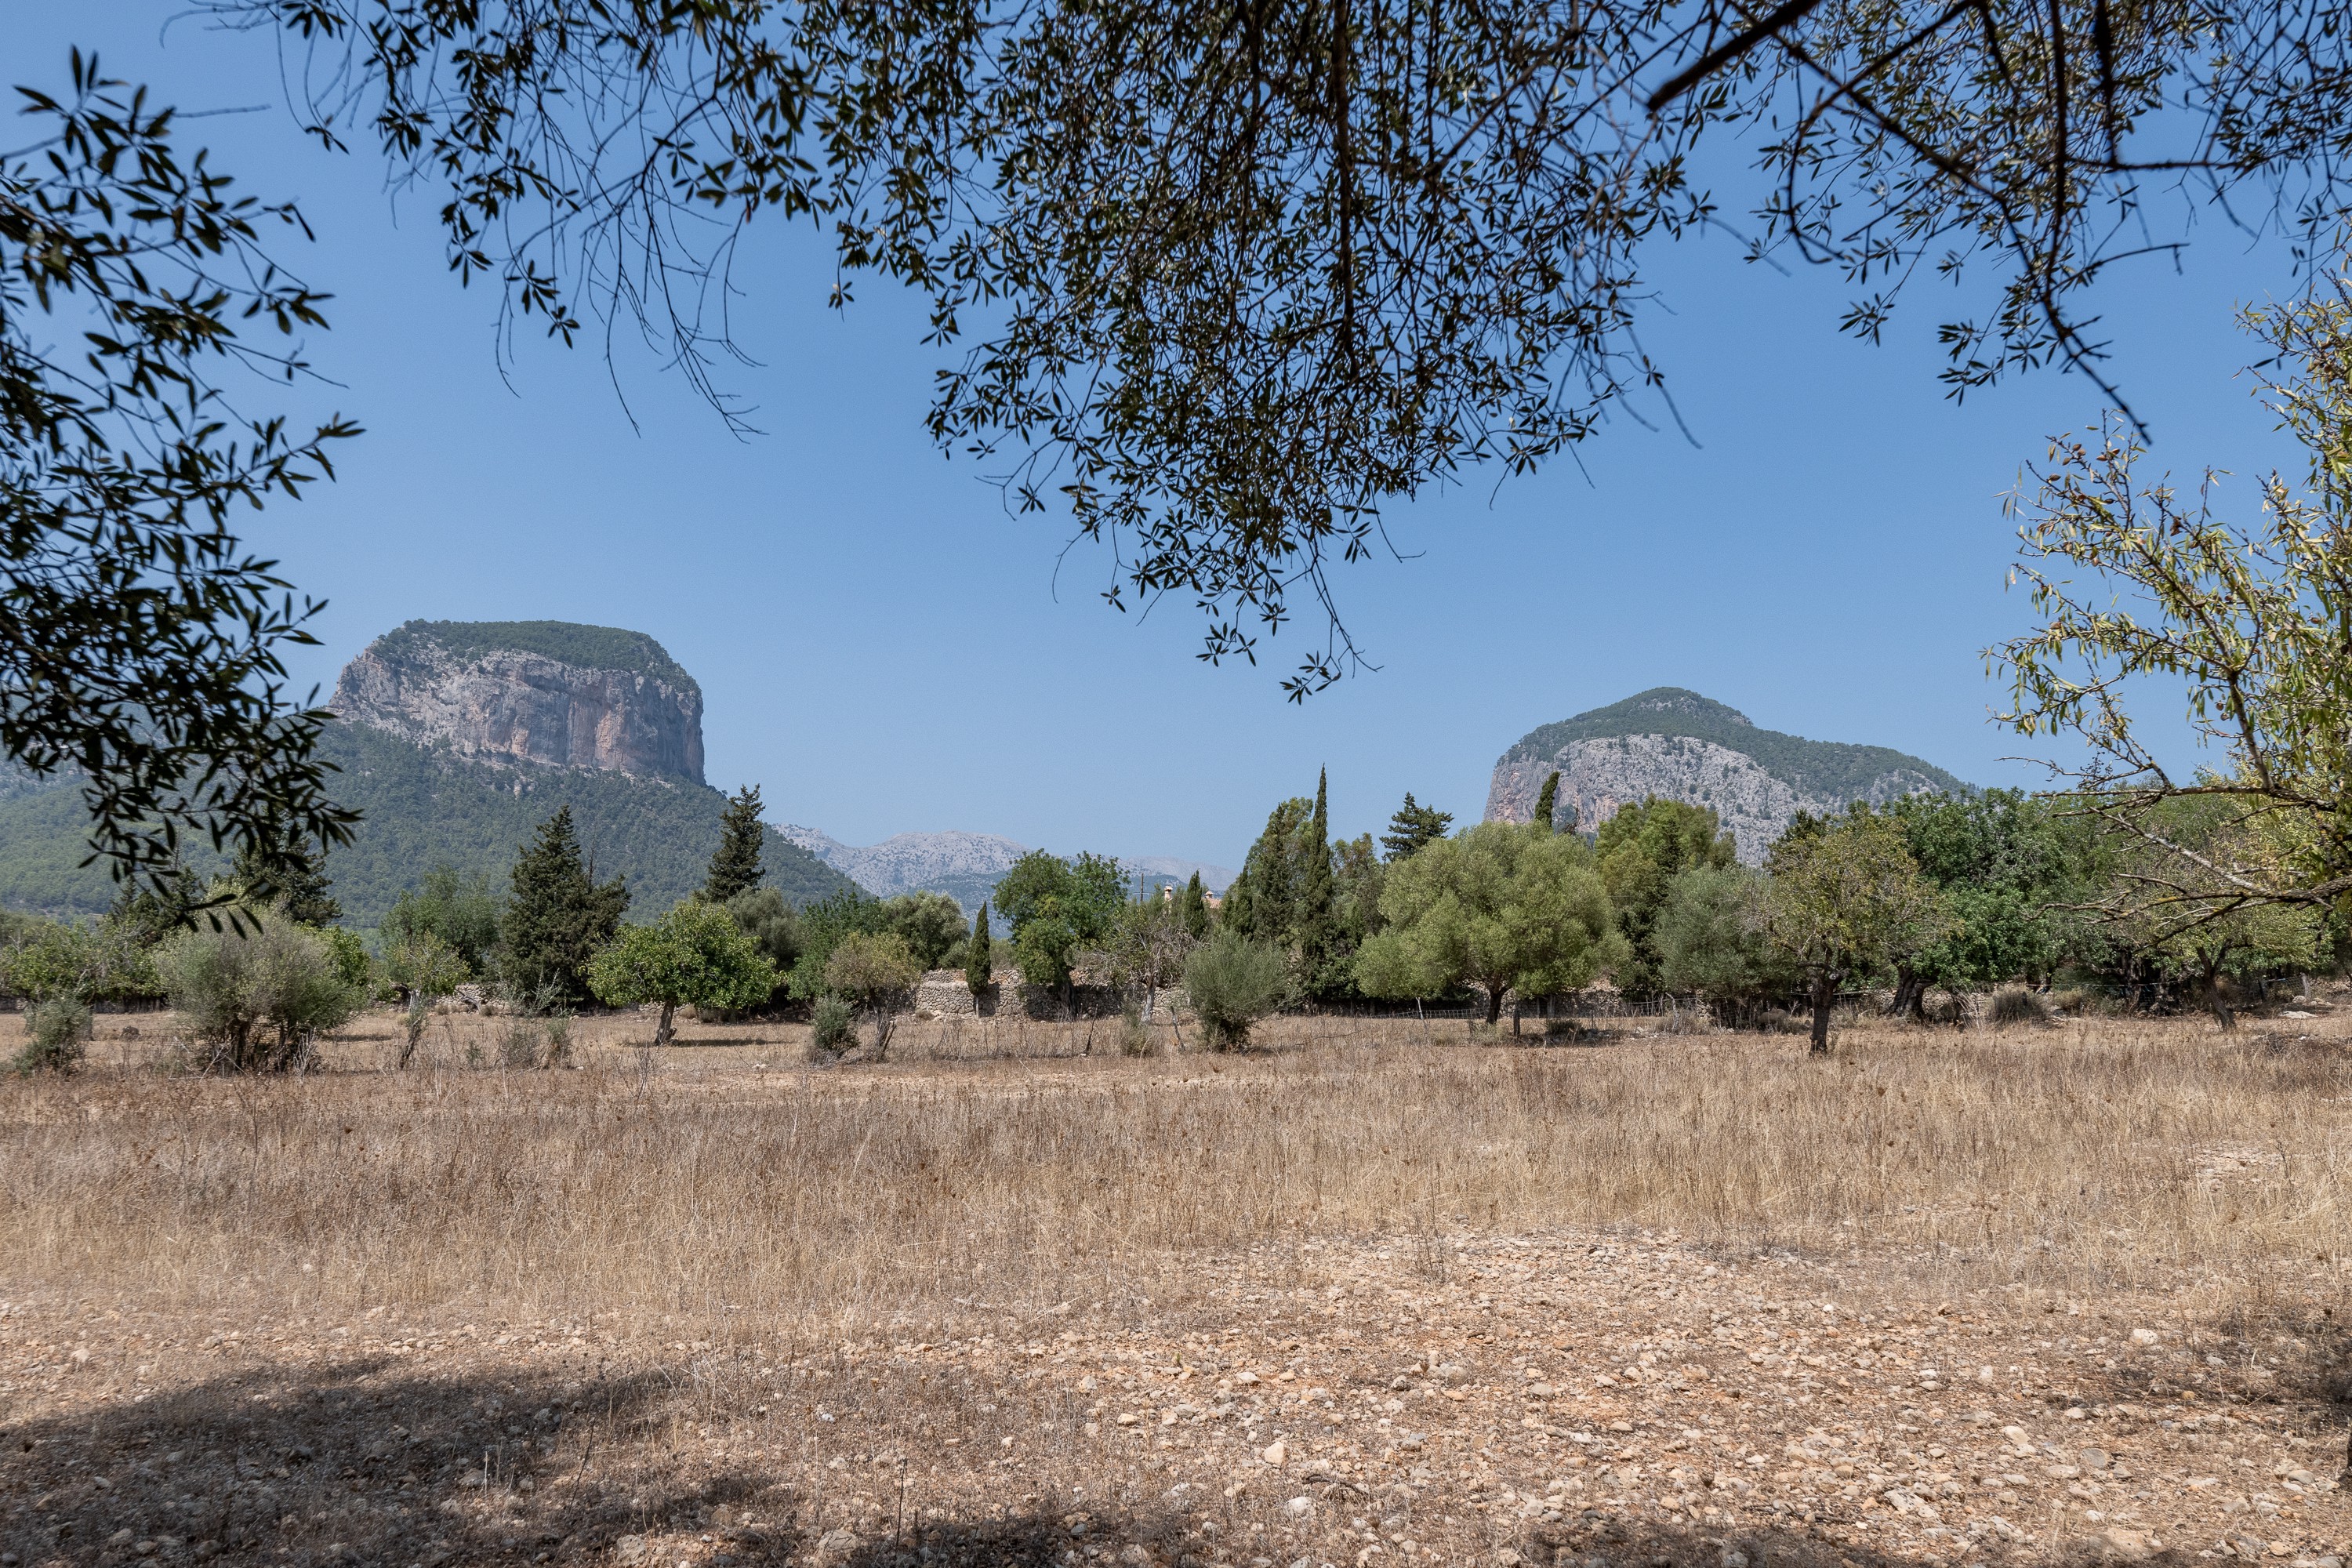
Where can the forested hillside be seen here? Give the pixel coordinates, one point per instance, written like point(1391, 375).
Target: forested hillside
point(424, 809)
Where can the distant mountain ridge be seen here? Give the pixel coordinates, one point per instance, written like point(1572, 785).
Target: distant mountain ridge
point(1678, 745)
point(965, 866)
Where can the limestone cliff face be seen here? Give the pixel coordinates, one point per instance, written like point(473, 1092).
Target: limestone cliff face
point(531, 692)
point(1677, 745)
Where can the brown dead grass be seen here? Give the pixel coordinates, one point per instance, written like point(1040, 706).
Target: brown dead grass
point(731, 1177)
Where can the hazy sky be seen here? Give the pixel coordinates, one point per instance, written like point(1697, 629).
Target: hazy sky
point(882, 648)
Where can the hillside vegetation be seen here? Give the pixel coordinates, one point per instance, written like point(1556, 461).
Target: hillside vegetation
point(423, 809)
point(590, 647)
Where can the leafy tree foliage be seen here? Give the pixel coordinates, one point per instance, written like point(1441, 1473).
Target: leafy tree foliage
point(823, 925)
point(978, 962)
point(1056, 908)
point(104, 961)
point(930, 924)
point(297, 882)
point(1287, 895)
point(1247, 277)
point(775, 928)
point(735, 865)
point(1415, 827)
point(142, 646)
point(1193, 906)
point(1846, 898)
point(696, 956)
point(461, 911)
point(1710, 941)
point(1641, 850)
point(557, 916)
point(2136, 586)
point(2006, 863)
point(1502, 907)
point(868, 969)
point(423, 967)
point(2222, 935)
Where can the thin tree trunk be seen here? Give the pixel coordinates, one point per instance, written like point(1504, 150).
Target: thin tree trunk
point(662, 1030)
point(1824, 998)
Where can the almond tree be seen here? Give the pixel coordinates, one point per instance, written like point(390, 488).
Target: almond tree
point(2140, 587)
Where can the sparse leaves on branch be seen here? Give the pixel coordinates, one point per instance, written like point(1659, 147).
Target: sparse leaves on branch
point(2136, 586)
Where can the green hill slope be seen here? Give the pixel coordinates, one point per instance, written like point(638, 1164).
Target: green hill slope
point(423, 809)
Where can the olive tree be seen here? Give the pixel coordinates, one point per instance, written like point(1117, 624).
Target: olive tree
point(1847, 899)
point(257, 992)
point(1502, 907)
point(694, 956)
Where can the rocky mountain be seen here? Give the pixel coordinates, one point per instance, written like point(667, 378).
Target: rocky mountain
point(457, 740)
point(1678, 745)
point(544, 693)
point(965, 866)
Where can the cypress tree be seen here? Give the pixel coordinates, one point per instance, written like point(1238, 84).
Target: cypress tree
point(735, 867)
point(977, 971)
point(1313, 934)
point(1547, 802)
point(1193, 910)
point(558, 915)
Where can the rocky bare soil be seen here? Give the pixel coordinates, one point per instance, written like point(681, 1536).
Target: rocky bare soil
point(1461, 1396)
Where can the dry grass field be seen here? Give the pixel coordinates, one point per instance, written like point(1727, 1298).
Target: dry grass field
point(1371, 1294)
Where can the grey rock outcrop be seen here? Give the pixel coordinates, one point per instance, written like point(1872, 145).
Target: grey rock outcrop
point(531, 692)
point(1678, 745)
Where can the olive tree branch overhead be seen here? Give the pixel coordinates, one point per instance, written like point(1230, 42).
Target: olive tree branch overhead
point(1226, 280)
point(138, 642)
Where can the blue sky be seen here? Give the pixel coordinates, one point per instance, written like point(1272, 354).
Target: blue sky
point(882, 648)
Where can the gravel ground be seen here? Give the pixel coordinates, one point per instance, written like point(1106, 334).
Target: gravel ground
point(1458, 1398)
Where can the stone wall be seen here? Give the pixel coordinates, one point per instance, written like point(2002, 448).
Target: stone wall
point(942, 994)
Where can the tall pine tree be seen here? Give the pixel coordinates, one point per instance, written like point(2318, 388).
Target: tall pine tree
point(296, 880)
point(1547, 802)
point(1415, 827)
point(559, 916)
point(735, 868)
point(977, 970)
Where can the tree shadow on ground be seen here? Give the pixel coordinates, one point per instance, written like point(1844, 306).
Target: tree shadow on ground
point(355, 1464)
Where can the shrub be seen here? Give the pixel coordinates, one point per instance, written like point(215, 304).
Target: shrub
point(423, 967)
point(1134, 1039)
point(57, 1029)
point(558, 1041)
point(836, 1024)
point(872, 970)
point(2014, 1005)
point(257, 997)
point(1232, 982)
